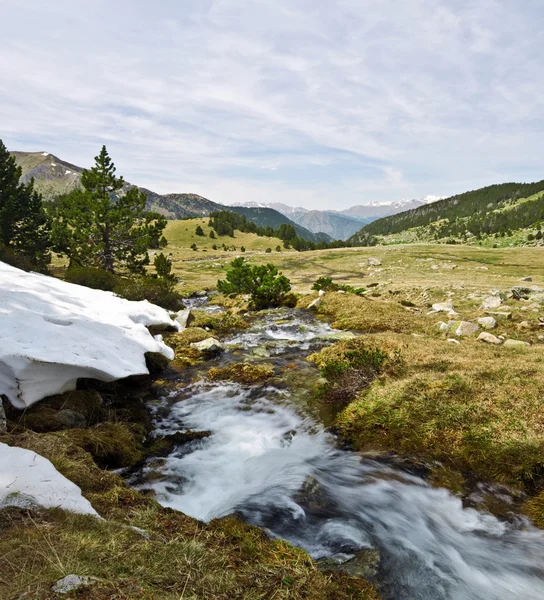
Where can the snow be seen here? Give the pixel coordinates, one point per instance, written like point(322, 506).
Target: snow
point(27, 478)
point(45, 153)
point(52, 333)
point(67, 172)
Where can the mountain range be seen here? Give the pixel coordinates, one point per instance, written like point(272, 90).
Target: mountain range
point(341, 225)
point(54, 177)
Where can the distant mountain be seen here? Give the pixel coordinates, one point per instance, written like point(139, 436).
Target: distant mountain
point(492, 210)
point(264, 216)
point(54, 177)
point(340, 225)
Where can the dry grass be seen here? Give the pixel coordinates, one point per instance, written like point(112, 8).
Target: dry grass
point(169, 556)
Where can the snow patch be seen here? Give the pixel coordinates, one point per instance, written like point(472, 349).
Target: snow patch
point(52, 333)
point(45, 153)
point(27, 478)
point(67, 172)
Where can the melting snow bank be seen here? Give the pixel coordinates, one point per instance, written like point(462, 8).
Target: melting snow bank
point(52, 333)
point(27, 478)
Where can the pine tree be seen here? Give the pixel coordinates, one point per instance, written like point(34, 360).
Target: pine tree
point(24, 226)
point(103, 226)
point(199, 230)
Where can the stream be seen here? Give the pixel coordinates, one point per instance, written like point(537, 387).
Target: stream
point(271, 460)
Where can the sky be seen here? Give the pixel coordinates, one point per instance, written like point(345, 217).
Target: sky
point(314, 103)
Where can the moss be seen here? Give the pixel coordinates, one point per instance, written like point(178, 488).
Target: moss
point(245, 373)
point(221, 323)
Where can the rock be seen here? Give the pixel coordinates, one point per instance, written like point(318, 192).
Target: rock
point(538, 298)
point(442, 306)
point(487, 322)
point(342, 335)
point(488, 338)
point(70, 419)
point(374, 262)
point(156, 362)
point(72, 582)
point(537, 289)
point(524, 325)
point(515, 344)
point(209, 346)
point(442, 326)
point(519, 292)
point(526, 279)
point(314, 304)
point(182, 317)
point(453, 341)
point(491, 302)
point(482, 269)
point(499, 314)
point(321, 293)
point(467, 328)
point(365, 564)
point(341, 292)
point(3, 422)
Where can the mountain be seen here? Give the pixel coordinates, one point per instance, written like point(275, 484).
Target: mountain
point(340, 225)
point(264, 216)
point(492, 210)
point(54, 177)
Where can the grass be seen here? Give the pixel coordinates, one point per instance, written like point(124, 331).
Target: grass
point(245, 373)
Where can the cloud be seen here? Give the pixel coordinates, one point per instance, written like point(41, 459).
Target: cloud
point(346, 102)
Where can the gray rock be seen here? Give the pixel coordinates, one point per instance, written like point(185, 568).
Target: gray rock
point(72, 582)
point(3, 422)
point(491, 302)
point(209, 346)
point(182, 317)
point(489, 338)
point(342, 335)
point(70, 419)
point(487, 322)
point(466, 328)
point(526, 279)
point(498, 314)
point(365, 564)
point(442, 306)
point(538, 298)
point(321, 293)
point(519, 292)
point(374, 262)
point(515, 344)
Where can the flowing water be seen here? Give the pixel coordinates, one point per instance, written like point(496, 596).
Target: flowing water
point(271, 460)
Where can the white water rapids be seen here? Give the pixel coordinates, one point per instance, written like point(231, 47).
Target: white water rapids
point(282, 471)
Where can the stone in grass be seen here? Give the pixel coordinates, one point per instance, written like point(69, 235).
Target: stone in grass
point(491, 302)
point(182, 318)
point(374, 262)
point(442, 307)
point(466, 328)
point(489, 338)
point(314, 304)
point(453, 341)
point(72, 582)
point(209, 346)
point(526, 279)
point(515, 344)
point(498, 314)
point(487, 322)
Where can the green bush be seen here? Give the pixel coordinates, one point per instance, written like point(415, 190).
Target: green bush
point(157, 291)
point(264, 283)
point(16, 259)
point(326, 284)
point(93, 277)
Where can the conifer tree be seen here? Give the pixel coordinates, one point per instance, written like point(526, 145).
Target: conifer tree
point(105, 225)
point(24, 226)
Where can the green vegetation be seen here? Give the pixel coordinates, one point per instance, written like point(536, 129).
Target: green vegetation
point(496, 210)
point(24, 226)
point(266, 286)
point(245, 373)
point(225, 322)
point(103, 225)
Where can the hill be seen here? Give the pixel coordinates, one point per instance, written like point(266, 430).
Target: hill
point(54, 177)
point(493, 210)
point(339, 226)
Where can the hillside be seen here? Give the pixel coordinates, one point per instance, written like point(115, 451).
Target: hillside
point(337, 225)
point(54, 177)
point(493, 210)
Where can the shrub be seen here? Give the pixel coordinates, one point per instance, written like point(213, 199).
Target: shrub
point(242, 249)
point(194, 247)
point(326, 284)
point(93, 277)
point(212, 234)
point(199, 231)
point(268, 250)
point(278, 248)
point(264, 283)
point(157, 291)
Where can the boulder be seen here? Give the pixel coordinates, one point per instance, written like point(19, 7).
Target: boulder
point(519, 292)
point(466, 328)
point(489, 338)
point(442, 306)
point(209, 346)
point(538, 298)
point(374, 262)
point(491, 302)
point(515, 344)
point(524, 325)
point(365, 564)
point(182, 318)
point(499, 314)
point(487, 322)
point(72, 582)
point(526, 279)
point(71, 419)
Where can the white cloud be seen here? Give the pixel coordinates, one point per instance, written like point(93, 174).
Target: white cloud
point(355, 101)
